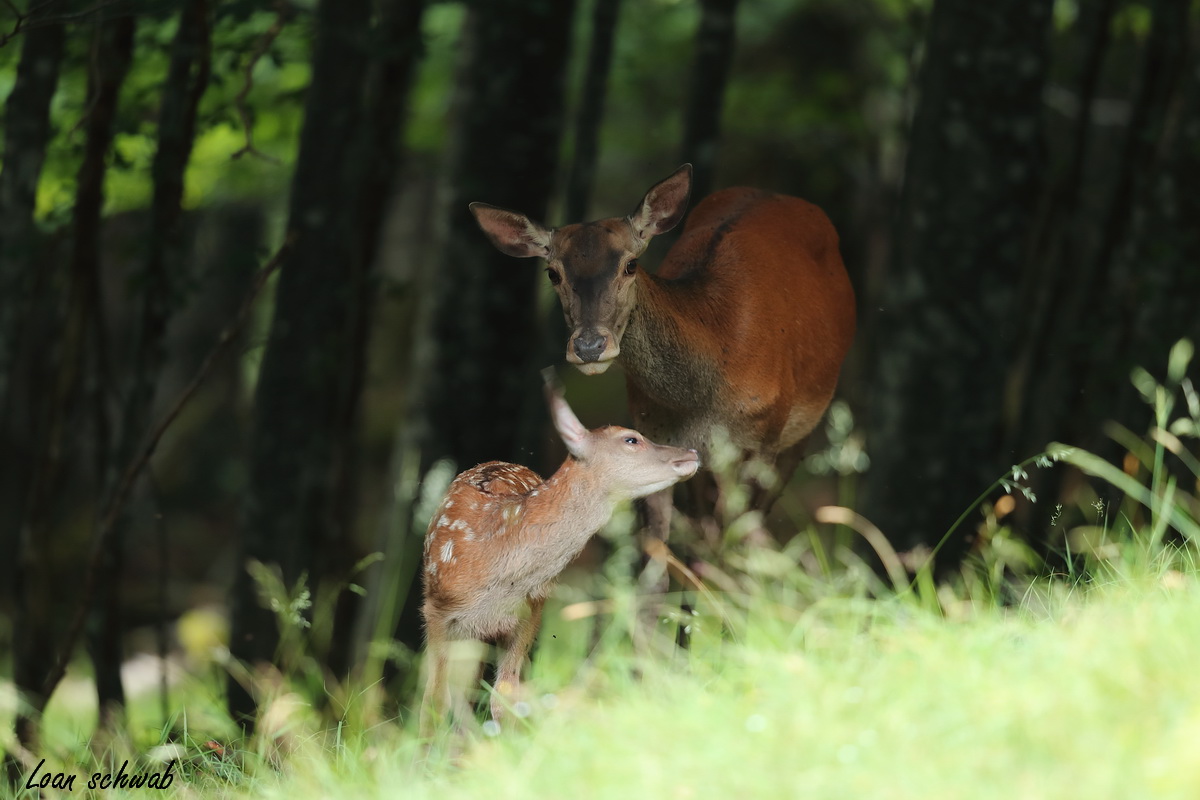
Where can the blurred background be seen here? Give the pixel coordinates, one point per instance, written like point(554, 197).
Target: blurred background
point(271, 197)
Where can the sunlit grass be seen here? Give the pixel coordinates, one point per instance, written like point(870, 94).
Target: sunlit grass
point(1090, 694)
point(1083, 689)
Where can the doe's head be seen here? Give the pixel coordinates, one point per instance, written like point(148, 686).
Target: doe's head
point(593, 266)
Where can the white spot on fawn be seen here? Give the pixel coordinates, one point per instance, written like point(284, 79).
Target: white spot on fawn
point(442, 521)
point(431, 567)
point(448, 550)
point(460, 525)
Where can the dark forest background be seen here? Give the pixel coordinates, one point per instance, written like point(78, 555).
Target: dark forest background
point(244, 310)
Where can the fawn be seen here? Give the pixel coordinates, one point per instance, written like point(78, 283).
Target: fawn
point(502, 535)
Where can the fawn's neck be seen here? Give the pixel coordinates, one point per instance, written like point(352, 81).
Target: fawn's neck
point(568, 508)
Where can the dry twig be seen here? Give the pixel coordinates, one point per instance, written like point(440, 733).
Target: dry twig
point(33, 18)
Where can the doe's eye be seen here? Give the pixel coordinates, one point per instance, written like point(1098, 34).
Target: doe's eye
point(555, 278)
point(631, 267)
point(632, 440)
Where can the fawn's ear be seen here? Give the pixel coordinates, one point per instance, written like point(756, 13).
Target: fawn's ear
point(512, 233)
point(573, 434)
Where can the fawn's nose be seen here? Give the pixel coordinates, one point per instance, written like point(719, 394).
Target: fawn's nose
point(589, 346)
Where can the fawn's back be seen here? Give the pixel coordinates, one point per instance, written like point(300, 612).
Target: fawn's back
point(477, 571)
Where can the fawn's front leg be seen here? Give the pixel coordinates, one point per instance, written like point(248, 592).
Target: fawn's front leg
point(436, 703)
point(516, 644)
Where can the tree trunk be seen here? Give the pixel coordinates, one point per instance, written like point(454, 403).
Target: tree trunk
point(1103, 268)
point(484, 384)
point(398, 43)
point(187, 79)
point(479, 390)
point(27, 133)
point(1050, 276)
point(1094, 345)
point(589, 116)
point(298, 511)
point(1161, 281)
point(706, 94)
point(949, 321)
point(34, 631)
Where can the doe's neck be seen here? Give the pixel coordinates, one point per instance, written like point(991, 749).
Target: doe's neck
point(670, 331)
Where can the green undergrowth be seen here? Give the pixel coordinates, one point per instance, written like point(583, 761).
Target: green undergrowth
point(1081, 689)
point(809, 675)
point(1082, 692)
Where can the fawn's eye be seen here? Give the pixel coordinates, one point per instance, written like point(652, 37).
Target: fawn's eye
point(632, 440)
point(555, 278)
point(631, 267)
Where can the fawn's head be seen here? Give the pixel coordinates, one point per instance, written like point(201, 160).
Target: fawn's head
point(628, 464)
point(593, 265)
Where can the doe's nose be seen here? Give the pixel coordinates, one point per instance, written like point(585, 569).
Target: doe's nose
point(589, 345)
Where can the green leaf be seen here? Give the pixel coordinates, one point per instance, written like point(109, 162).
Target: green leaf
point(1099, 468)
point(1178, 361)
point(1144, 382)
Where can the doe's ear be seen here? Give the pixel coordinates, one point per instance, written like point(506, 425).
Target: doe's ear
point(573, 434)
point(512, 233)
point(664, 205)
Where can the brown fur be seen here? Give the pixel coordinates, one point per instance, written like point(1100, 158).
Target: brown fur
point(753, 305)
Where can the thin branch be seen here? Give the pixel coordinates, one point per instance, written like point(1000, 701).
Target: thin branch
point(16, 11)
point(282, 18)
point(18, 26)
point(142, 457)
point(35, 8)
point(31, 19)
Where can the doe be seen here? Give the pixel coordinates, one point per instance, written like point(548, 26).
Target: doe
point(743, 328)
point(502, 535)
